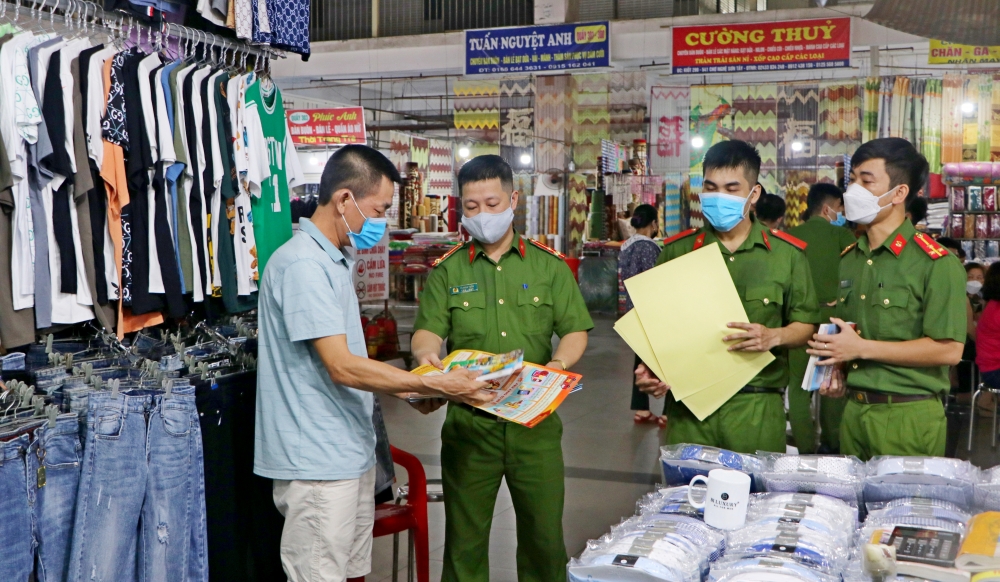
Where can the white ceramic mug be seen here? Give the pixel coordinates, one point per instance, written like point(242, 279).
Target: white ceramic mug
point(726, 499)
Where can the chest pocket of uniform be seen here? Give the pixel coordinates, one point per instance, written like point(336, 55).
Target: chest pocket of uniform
point(535, 309)
point(894, 321)
point(763, 303)
point(468, 314)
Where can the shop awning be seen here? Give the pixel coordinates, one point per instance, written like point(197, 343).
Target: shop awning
point(975, 22)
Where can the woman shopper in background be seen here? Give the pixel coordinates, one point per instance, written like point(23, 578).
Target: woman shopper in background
point(988, 330)
point(639, 254)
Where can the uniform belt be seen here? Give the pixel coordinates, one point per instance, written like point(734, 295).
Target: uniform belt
point(759, 390)
point(866, 397)
point(478, 412)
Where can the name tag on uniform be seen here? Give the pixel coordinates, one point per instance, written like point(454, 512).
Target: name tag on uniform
point(464, 289)
point(845, 284)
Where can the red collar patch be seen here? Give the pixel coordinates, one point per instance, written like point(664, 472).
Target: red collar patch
point(767, 242)
point(898, 244)
point(699, 241)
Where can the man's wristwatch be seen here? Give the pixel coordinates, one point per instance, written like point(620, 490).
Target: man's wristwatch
point(561, 363)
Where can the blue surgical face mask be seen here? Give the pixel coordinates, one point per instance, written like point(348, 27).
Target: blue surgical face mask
point(723, 211)
point(371, 231)
point(841, 220)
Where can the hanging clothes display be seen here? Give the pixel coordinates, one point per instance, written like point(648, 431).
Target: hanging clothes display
point(131, 177)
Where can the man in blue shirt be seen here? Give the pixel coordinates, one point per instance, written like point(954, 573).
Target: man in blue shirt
point(314, 433)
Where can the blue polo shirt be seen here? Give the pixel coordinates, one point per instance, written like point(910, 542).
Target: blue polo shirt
point(308, 426)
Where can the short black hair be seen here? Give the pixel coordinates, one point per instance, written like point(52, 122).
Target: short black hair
point(486, 167)
point(971, 266)
point(917, 209)
point(950, 243)
point(903, 163)
point(357, 168)
point(820, 194)
point(734, 154)
point(991, 285)
point(769, 207)
point(643, 216)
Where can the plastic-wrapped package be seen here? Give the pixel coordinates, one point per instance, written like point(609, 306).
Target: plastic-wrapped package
point(891, 478)
point(709, 542)
point(835, 476)
point(639, 554)
point(918, 507)
point(808, 547)
point(988, 490)
point(837, 527)
point(776, 503)
point(673, 500)
point(681, 463)
point(767, 569)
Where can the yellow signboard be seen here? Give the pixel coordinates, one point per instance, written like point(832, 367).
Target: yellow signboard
point(946, 53)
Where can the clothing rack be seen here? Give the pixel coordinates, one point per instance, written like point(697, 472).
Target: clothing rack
point(87, 17)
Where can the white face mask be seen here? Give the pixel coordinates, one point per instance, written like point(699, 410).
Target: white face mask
point(488, 228)
point(861, 205)
point(973, 287)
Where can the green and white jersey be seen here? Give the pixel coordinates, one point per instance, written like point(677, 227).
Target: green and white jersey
point(273, 168)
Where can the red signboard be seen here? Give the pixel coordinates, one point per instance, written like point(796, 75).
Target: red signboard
point(767, 46)
point(323, 127)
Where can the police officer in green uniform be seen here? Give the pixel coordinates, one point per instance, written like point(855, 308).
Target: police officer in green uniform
point(499, 293)
point(771, 275)
point(906, 295)
point(827, 237)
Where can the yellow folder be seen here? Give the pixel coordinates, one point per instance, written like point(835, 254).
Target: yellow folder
point(680, 316)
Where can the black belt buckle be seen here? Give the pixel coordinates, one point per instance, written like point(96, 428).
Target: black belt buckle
point(860, 397)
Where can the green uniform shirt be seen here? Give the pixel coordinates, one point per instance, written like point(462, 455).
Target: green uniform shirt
point(898, 292)
point(518, 302)
point(826, 242)
point(773, 281)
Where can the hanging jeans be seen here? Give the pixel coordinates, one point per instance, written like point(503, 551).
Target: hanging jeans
point(141, 507)
point(39, 475)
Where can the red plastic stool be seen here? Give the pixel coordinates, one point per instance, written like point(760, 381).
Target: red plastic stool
point(391, 519)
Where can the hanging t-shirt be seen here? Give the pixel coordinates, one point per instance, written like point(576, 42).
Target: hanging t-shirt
point(265, 124)
point(244, 244)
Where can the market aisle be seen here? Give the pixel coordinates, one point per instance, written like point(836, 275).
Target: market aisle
point(609, 461)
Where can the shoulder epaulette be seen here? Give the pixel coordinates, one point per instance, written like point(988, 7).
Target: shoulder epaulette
point(679, 236)
point(795, 242)
point(930, 246)
point(549, 250)
point(454, 250)
point(848, 248)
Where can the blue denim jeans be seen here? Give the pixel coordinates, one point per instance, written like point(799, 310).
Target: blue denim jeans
point(39, 474)
point(141, 493)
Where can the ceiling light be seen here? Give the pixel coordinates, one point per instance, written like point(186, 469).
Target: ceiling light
point(571, 166)
point(797, 146)
point(525, 159)
point(314, 160)
point(463, 152)
point(697, 142)
point(968, 107)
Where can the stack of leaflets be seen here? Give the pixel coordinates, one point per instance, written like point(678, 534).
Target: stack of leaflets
point(816, 375)
point(523, 393)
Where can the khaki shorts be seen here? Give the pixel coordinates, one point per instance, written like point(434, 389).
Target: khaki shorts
point(327, 535)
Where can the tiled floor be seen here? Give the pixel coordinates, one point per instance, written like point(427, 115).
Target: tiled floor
point(610, 462)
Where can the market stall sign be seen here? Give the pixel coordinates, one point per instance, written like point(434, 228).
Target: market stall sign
point(946, 53)
point(324, 127)
point(527, 49)
point(767, 46)
point(371, 272)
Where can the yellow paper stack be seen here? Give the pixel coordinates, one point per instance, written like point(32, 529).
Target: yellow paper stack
point(681, 311)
